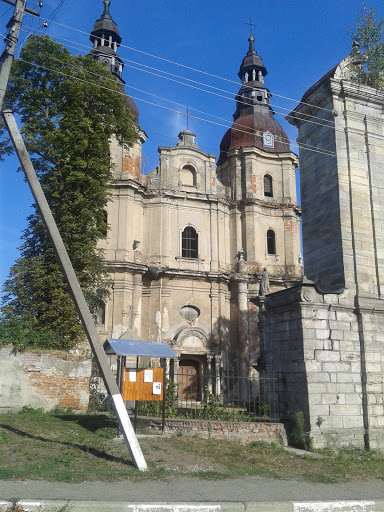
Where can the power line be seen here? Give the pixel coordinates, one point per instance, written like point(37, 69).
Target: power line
point(191, 68)
point(200, 89)
point(300, 145)
point(238, 125)
point(303, 146)
point(324, 152)
point(55, 11)
point(152, 69)
point(5, 12)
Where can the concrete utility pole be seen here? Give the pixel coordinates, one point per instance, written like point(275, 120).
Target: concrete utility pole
point(60, 250)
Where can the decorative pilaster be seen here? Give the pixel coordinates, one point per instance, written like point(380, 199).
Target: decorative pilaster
point(137, 303)
point(209, 373)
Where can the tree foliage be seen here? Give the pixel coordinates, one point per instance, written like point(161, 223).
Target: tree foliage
point(69, 107)
point(369, 35)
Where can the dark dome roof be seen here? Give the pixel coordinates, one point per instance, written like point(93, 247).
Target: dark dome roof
point(252, 60)
point(107, 26)
point(247, 131)
point(131, 105)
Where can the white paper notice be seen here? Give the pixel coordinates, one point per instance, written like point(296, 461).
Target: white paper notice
point(156, 388)
point(148, 375)
point(132, 375)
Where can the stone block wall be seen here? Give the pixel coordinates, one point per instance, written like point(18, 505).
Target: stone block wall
point(43, 380)
point(329, 357)
point(341, 181)
point(235, 431)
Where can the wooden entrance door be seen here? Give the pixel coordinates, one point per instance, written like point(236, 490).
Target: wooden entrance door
point(189, 379)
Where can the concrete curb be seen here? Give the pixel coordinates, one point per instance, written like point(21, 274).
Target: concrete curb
point(299, 506)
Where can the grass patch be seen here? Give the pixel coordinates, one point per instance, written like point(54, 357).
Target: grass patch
point(68, 447)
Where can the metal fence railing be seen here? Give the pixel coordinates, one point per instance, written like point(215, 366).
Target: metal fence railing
point(224, 398)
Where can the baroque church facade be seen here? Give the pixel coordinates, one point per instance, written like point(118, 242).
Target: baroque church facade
point(187, 244)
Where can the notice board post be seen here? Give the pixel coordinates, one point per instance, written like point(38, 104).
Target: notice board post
point(144, 384)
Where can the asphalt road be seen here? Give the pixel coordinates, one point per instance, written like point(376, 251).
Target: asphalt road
point(193, 490)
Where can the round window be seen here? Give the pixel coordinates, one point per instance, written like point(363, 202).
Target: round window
point(189, 313)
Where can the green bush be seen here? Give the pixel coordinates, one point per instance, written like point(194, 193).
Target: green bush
point(298, 437)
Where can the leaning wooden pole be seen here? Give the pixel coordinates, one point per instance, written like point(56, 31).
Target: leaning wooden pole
point(76, 292)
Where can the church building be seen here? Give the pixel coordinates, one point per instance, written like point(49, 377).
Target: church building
point(187, 244)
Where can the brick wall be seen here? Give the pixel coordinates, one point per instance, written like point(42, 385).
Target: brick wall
point(235, 431)
point(43, 380)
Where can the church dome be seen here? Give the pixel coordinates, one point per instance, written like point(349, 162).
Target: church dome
point(106, 39)
point(248, 131)
point(131, 105)
point(254, 123)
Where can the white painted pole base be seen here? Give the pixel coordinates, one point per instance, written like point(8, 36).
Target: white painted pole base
point(128, 432)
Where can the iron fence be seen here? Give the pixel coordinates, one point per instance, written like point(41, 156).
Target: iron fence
point(224, 398)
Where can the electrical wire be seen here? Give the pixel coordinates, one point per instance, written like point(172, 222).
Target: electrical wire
point(209, 92)
point(111, 79)
point(152, 69)
point(317, 150)
point(205, 113)
point(190, 68)
point(5, 12)
point(55, 12)
point(300, 145)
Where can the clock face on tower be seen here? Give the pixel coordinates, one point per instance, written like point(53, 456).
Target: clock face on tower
point(268, 140)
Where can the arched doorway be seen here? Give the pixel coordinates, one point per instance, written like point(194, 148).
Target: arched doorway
point(189, 379)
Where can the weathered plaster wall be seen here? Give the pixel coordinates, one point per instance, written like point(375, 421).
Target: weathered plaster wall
point(152, 280)
point(43, 380)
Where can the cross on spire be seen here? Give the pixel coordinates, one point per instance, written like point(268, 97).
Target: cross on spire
point(251, 25)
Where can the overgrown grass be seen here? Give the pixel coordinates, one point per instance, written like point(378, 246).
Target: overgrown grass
point(68, 447)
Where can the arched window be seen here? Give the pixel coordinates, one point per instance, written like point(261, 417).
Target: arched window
point(268, 191)
point(189, 243)
point(100, 314)
point(271, 241)
point(188, 176)
point(105, 224)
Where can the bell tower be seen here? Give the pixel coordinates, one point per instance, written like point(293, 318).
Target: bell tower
point(106, 39)
point(258, 170)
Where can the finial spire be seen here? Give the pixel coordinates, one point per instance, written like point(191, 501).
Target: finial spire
point(251, 40)
point(106, 12)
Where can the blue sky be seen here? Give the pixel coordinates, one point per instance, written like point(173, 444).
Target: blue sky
point(299, 41)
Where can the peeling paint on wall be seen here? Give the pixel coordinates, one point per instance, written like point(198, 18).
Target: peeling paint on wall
point(165, 326)
point(118, 330)
point(44, 380)
point(137, 320)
